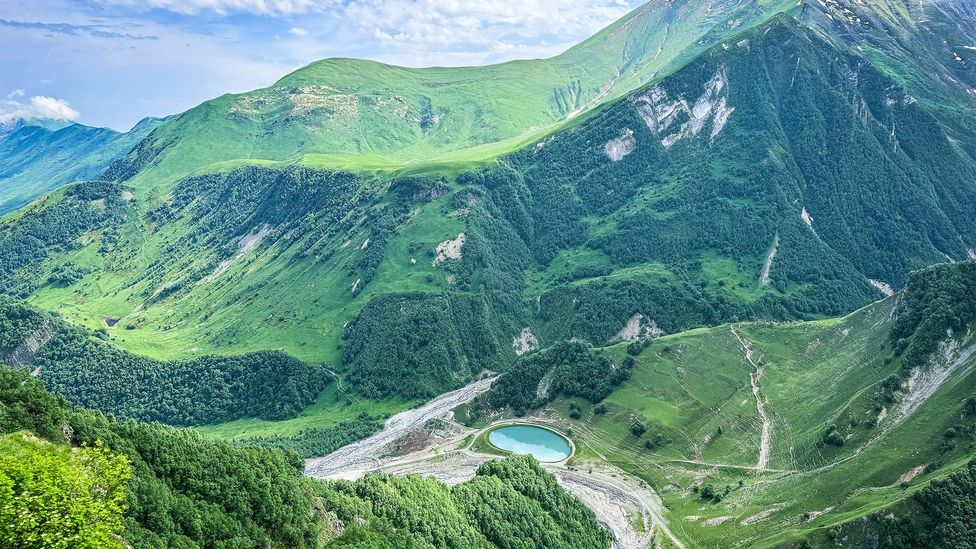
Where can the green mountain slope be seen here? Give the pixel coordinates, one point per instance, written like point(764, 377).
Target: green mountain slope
point(90, 373)
point(738, 174)
point(366, 115)
point(773, 177)
point(797, 427)
point(37, 157)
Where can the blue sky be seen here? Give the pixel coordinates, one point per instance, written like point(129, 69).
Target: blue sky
point(113, 62)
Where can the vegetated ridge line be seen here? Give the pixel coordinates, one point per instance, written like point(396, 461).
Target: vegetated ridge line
point(767, 424)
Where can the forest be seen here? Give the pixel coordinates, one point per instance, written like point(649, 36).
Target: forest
point(510, 503)
point(93, 373)
point(164, 487)
point(941, 516)
point(939, 303)
point(185, 490)
point(570, 369)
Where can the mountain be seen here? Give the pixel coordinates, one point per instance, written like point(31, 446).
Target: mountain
point(40, 155)
point(856, 415)
point(348, 113)
point(717, 220)
point(571, 237)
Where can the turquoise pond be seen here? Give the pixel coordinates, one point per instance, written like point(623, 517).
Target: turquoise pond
point(542, 444)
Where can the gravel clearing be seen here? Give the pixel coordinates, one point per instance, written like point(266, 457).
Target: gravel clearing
point(362, 456)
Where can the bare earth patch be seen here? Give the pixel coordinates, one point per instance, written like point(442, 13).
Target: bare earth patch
point(245, 244)
point(616, 149)
point(768, 264)
point(882, 287)
point(805, 216)
point(910, 475)
point(765, 441)
point(24, 353)
point(638, 327)
point(449, 249)
point(525, 342)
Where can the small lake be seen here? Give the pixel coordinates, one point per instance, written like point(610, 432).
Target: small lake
point(542, 444)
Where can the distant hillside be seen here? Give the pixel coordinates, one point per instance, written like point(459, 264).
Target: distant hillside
point(363, 115)
point(773, 177)
point(36, 156)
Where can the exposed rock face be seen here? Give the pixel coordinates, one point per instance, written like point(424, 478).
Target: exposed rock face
point(449, 249)
point(887, 290)
point(23, 355)
point(525, 342)
point(808, 220)
point(617, 149)
point(764, 278)
point(639, 328)
point(661, 113)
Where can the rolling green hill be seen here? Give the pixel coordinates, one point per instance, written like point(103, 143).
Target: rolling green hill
point(348, 113)
point(798, 427)
point(574, 236)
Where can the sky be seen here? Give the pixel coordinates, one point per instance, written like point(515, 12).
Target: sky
point(113, 62)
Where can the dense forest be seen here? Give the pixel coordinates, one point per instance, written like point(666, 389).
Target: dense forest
point(569, 369)
point(321, 441)
point(158, 487)
point(939, 303)
point(185, 490)
point(95, 374)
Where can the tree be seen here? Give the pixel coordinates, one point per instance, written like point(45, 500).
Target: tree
point(637, 428)
point(58, 497)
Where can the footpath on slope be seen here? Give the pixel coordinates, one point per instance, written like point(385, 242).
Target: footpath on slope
point(765, 439)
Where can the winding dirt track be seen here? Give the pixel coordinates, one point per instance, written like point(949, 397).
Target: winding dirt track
point(614, 496)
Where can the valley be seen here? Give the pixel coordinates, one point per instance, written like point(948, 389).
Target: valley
point(723, 248)
point(706, 431)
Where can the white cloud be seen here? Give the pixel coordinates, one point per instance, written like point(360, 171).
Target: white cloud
point(261, 7)
point(39, 106)
point(298, 31)
point(452, 32)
